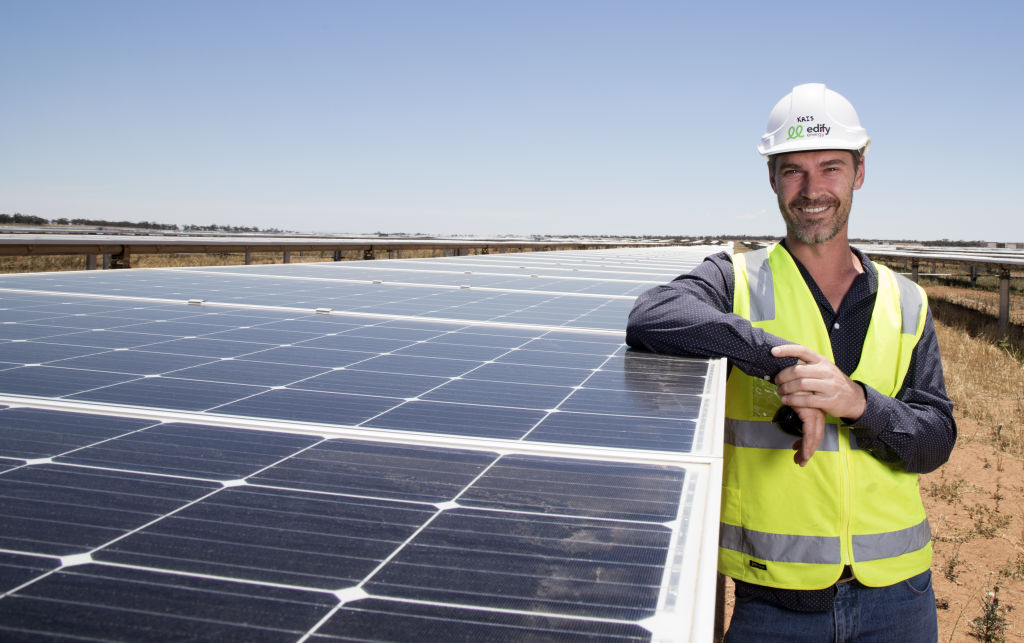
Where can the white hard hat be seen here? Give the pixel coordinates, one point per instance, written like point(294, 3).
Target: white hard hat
point(813, 117)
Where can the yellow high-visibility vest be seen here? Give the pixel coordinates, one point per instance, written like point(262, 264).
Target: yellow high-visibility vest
point(796, 527)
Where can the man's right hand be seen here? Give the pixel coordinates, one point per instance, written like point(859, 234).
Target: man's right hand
point(814, 432)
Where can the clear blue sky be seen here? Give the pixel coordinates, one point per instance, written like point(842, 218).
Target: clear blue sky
point(501, 116)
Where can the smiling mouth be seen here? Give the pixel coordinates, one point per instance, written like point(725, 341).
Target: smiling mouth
point(814, 207)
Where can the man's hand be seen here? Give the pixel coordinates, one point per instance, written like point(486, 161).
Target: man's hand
point(814, 433)
point(814, 387)
point(817, 383)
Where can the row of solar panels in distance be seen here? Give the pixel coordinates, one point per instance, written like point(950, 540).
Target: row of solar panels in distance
point(446, 303)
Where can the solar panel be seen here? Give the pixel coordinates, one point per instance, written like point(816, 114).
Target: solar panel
point(419, 461)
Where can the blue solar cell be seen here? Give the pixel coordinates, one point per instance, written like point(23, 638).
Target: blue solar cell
point(380, 619)
point(485, 392)
point(83, 508)
point(418, 365)
point(35, 433)
point(496, 560)
point(632, 402)
point(311, 406)
point(209, 452)
point(422, 474)
point(459, 419)
point(41, 352)
point(626, 432)
point(133, 361)
point(242, 371)
point(371, 383)
point(301, 355)
point(250, 533)
point(527, 374)
point(16, 569)
point(49, 381)
point(579, 487)
point(109, 339)
point(549, 358)
point(100, 602)
point(169, 393)
point(207, 347)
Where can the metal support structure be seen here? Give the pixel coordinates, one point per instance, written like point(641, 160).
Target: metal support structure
point(121, 259)
point(287, 258)
point(974, 276)
point(719, 630)
point(1004, 297)
point(337, 255)
point(915, 269)
point(368, 254)
point(90, 262)
point(248, 258)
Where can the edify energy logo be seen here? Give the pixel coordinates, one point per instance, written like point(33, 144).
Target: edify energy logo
point(809, 131)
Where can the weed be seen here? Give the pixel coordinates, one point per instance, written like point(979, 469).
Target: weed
point(1013, 569)
point(953, 565)
point(988, 521)
point(991, 625)
point(949, 490)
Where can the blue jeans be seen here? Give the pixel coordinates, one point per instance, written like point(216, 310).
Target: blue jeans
point(903, 613)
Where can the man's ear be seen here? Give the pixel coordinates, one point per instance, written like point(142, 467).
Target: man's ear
point(858, 180)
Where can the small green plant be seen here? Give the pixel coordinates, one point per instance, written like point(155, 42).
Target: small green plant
point(991, 625)
point(988, 521)
point(949, 490)
point(1014, 569)
point(953, 565)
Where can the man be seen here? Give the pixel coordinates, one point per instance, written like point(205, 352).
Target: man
point(830, 543)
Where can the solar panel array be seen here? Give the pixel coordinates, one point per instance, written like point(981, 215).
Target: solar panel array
point(385, 450)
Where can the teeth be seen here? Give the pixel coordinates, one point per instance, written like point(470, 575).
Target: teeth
point(814, 210)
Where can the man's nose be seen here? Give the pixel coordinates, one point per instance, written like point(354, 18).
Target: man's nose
point(813, 187)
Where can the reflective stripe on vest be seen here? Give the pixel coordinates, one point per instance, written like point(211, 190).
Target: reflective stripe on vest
point(782, 548)
point(823, 550)
point(765, 435)
point(762, 288)
point(893, 543)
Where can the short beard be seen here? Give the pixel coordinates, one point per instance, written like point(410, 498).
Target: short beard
point(817, 233)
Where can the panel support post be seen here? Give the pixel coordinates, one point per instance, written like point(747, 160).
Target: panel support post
point(287, 256)
point(248, 258)
point(1004, 297)
point(121, 259)
point(915, 270)
point(719, 631)
point(90, 262)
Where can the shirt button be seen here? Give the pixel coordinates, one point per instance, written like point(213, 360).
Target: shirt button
point(835, 326)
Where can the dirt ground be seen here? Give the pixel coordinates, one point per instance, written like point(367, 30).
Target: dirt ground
point(975, 505)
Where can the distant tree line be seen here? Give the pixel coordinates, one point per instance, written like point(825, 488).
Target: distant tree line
point(29, 219)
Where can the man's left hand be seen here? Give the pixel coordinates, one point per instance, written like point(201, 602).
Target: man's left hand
point(815, 382)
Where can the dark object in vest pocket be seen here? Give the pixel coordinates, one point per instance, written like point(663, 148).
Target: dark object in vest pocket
point(788, 421)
